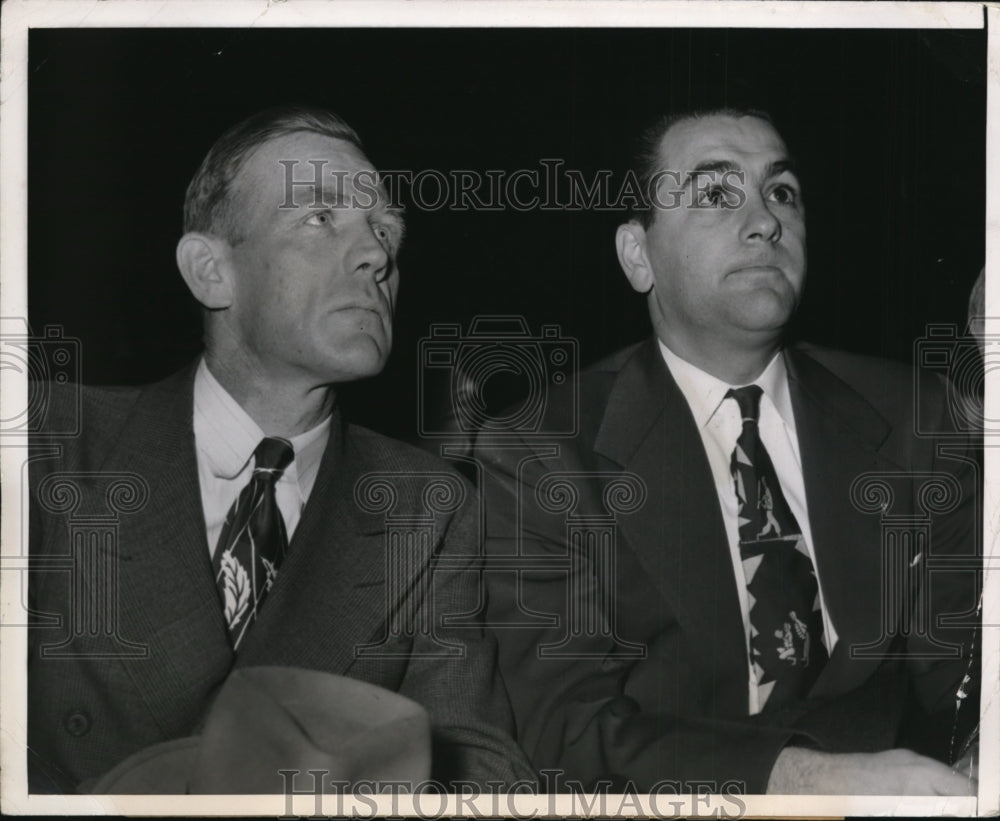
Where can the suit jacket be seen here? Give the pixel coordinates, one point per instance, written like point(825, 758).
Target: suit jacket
point(629, 661)
point(144, 568)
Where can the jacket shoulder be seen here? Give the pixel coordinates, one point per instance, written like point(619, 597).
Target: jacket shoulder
point(381, 452)
point(898, 391)
point(416, 480)
point(855, 365)
point(573, 409)
point(613, 362)
point(72, 411)
point(871, 376)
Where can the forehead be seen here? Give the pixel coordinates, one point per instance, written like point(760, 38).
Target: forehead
point(744, 141)
point(296, 157)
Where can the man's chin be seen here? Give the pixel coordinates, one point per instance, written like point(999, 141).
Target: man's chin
point(763, 316)
point(364, 357)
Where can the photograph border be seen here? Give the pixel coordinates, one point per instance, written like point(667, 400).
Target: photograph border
point(21, 15)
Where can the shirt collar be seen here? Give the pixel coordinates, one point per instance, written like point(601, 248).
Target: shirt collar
point(704, 393)
point(224, 432)
point(309, 448)
point(227, 436)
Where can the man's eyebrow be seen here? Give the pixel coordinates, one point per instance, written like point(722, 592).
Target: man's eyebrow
point(332, 195)
point(710, 167)
point(394, 216)
point(772, 169)
point(777, 167)
point(308, 195)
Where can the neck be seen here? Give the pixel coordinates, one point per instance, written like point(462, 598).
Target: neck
point(282, 408)
point(732, 364)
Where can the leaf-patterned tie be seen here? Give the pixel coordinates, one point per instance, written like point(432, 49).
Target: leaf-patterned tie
point(786, 625)
point(253, 541)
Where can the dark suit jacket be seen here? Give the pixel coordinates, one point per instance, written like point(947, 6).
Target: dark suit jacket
point(677, 711)
point(89, 709)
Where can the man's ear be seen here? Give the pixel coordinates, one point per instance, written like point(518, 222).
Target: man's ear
point(203, 261)
point(630, 241)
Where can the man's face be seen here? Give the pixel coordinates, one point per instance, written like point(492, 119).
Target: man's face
point(314, 285)
point(722, 269)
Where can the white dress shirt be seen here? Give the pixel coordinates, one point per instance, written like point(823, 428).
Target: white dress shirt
point(719, 423)
point(225, 438)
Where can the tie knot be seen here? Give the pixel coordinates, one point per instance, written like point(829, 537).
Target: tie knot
point(272, 457)
point(748, 399)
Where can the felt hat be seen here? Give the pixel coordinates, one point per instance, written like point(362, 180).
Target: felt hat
point(268, 719)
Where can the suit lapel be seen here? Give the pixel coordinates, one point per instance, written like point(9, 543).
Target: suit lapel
point(678, 535)
point(839, 435)
point(168, 598)
point(328, 598)
point(330, 593)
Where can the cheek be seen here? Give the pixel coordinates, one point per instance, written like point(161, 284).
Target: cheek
point(701, 241)
point(664, 253)
point(392, 290)
point(794, 233)
point(297, 283)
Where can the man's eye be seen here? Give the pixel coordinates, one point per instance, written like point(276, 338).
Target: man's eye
point(784, 194)
point(388, 236)
point(716, 196)
point(708, 197)
point(320, 218)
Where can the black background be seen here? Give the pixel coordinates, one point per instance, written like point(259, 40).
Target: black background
point(888, 128)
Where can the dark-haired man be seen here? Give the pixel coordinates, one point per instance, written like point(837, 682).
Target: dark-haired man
point(754, 628)
point(251, 541)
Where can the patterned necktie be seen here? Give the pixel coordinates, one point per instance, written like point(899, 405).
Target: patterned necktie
point(253, 540)
point(786, 626)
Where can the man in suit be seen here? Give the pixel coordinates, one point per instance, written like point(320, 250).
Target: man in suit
point(249, 517)
point(703, 599)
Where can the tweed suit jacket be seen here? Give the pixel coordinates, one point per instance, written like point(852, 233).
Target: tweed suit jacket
point(96, 699)
point(638, 670)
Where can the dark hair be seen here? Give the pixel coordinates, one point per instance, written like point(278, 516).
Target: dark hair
point(208, 204)
point(646, 158)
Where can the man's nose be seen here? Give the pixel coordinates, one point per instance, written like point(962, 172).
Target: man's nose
point(759, 223)
point(369, 254)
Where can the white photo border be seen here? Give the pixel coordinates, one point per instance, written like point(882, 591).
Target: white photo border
point(21, 15)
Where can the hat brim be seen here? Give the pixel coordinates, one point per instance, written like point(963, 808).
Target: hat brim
point(269, 723)
point(163, 769)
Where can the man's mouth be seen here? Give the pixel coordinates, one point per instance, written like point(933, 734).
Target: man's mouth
point(756, 269)
point(374, 309)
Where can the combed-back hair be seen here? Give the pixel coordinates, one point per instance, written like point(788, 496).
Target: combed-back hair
point(647, 159)
point(209, 204)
